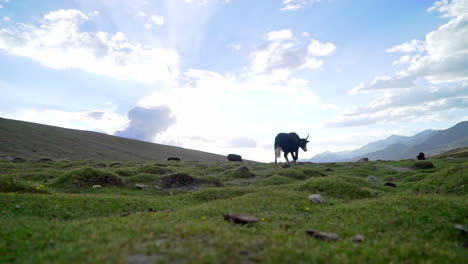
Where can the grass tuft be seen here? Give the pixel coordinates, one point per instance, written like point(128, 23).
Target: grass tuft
point(86, 177)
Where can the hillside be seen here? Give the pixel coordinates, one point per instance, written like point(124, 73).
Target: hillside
point(34, 141)
point(395, 147)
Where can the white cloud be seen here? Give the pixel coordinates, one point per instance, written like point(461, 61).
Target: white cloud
point(412, 46)
point(154, 20)
point(58, 43)
point(289, 5)
point(434, 82)
point(282, 55)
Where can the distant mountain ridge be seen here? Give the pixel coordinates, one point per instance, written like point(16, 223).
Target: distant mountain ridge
point(430, 142)
point(34, 141)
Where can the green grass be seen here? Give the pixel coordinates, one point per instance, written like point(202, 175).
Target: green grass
point(67, 221)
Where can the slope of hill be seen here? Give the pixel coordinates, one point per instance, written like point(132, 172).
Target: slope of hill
point(431, 142)
point(33, 141)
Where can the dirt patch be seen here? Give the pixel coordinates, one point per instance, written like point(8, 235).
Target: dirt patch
point(178, 180)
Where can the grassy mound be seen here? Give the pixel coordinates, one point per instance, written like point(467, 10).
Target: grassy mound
point(7, 166)
point(239, 173)
point(424, 164)
point(125, 172)
point(10, 185)
point(154, 170)
point(293, 174)
point(276, 180)
point(452, 180)
point(335, 187)
point(178, 180)
point(143, 178)
point(86, 177)
point(216, 194)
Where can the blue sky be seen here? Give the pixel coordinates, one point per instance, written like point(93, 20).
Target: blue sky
point(226, 76)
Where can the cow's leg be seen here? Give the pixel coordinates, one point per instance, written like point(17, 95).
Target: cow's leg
point(295, 157)
point(286, 157)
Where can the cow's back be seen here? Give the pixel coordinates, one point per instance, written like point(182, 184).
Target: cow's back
point(287, 142)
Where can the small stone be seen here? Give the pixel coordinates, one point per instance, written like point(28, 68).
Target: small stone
point(316, 198)
point(373, 180)
point(140, 186)
point(240, 218)
point(463, 229)
point(97, 186)
point(323, 235)
point(17, 206)
point(124, 214)
point(151, 209)
point(358, 238)
point(390, 184)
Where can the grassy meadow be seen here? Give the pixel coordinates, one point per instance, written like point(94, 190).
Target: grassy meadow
point(50, 212)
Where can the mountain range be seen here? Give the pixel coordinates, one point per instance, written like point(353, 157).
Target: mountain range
point(430, 142)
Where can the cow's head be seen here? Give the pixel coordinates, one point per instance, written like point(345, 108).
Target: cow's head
point(303, 143)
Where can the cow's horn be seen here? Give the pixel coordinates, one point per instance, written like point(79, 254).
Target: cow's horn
point(307, 136)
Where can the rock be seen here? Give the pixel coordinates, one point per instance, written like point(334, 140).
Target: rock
point(116, 165)
point(390, 184)
point(323, 235)
point(140, 186)
point(44, 160)
point(463, 229)
point(100, 165)
point(329, 169)
point(18, 160)
point(373, 180)
point(97, 186)
point(124, 214)
point(316, 198)
point(448, 158)
point(363, 160)
point(240, 218)
point(421, 156)
point(358, 238)
point(173, 159)
point(234, 157)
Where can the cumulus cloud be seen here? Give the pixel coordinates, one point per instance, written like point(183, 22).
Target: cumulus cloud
point(58, 43)
point(289, 5)
point(282, 55)
point(441, 57)
point(434, 80)
point(146, 123)
point(95, 115)
point(154, 20)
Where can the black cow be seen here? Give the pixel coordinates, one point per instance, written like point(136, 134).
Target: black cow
point(421, 156)
point(289, 143)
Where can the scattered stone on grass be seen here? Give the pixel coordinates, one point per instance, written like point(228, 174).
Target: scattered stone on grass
point(359, 238)
point(140, 186)
point(316, 198)
point(16, 159)
point(97, 186)
point(100, 165)
point(240, 218)
point(124, 214)
point(116, 165)
point(329, 169)
point(390, 184)
point(323, 235)
point(373, 180)
point(463, 229)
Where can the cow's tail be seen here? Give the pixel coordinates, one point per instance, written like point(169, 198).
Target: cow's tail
point(278, 152)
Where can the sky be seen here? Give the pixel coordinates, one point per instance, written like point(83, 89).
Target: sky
point(226, 76)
